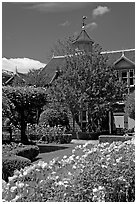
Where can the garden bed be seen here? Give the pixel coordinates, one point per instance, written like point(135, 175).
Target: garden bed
point(92, 173)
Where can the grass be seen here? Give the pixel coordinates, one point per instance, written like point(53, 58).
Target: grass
point(50, 151)
point(49, 155)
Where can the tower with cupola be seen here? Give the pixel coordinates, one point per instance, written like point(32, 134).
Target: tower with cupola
point(83, 42)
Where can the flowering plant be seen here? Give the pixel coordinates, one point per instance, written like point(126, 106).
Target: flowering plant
point(51, 134)
point(93, 173)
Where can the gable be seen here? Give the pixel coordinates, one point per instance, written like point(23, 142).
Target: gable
point(124, 64)
point(113, 56)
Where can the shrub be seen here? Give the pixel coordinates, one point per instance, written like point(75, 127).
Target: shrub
point(12, 163)
point(54, 117)
point(29, 152)
point(55, 134)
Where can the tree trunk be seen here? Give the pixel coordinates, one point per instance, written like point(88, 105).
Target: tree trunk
point(24, 138)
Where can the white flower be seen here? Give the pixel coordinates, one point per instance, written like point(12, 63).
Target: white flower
point(85, 144)
point(73, 151)
point(64, 157)
point(20, 185)
point(100, 188)
point(16, 198)
point(17, 172)
point(77, 157)
point(104, 166)
point(13, 178)
point(13, 189)
point(74, 167)
point(60, 183)
point(118, 160)
point(95, 190)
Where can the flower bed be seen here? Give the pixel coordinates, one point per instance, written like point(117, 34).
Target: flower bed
point(103, 172)
point(47, 134)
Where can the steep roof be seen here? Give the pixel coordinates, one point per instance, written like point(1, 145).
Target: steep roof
point(49, 71)
point(83, 37)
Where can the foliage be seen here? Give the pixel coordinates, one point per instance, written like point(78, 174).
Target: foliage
point(130, 105)
point(88, 82)
point(93, 173)
point(53, 117)
point(28, 103)
point(11, 163)
point(52, 134)
point(35, 78)
point(29, 152)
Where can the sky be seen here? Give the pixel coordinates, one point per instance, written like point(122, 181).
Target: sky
point(30, 30)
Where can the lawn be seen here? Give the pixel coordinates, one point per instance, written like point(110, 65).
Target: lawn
point(50, 151)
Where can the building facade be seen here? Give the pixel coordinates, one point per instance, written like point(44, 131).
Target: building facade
point(124, 64)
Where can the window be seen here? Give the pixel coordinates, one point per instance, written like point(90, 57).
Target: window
point(131, 77)
point(84, 115)
point(124, 76)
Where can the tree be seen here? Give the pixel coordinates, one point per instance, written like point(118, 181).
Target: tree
point(35, 78)
point(88, 82)
point(27, 104)
point(54, 117)
point(130, 105)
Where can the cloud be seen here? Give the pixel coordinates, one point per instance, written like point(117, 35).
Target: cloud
point(66, 23)
point(57, 6)
point(91, 26)
point(100, 10)
point(23, 64)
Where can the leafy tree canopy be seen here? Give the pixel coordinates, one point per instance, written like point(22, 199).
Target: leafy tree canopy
point(27, 104)
point(87, 81)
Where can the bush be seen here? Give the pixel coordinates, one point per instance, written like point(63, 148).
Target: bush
point(91, 135)
point(54, 117)
point(55, 134)
point(12, 163)
point(29, 152)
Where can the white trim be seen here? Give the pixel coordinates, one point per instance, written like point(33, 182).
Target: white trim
point(104, 52)
point(115, 51)
point(59, 56)
point(125, 58)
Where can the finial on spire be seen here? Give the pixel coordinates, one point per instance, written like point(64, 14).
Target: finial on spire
point(83, 22)
point(16, 71)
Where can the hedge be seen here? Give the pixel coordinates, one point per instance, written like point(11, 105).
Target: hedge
point(29, 152)
point(12, 163)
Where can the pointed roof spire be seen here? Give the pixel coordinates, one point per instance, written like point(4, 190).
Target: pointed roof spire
point(83, 36)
